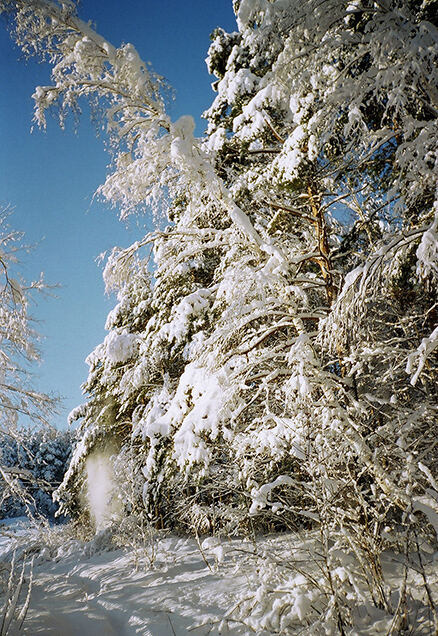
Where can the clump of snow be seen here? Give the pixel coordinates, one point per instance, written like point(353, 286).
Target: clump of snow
point(418, 358)
point(182, 144)
point(186, 311)
point(197, 409)
point(194, 347)
point(350, 280)
point(260, 496)
point(427, 251)
point(120, 346)
point(292, 155)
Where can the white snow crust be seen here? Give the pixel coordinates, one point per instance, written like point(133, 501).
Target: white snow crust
point(168, 585)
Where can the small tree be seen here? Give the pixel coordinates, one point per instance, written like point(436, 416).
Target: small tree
point(20, 404)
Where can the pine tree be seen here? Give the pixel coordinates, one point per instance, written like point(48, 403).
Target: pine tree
point(36, 461)
point(279, 370)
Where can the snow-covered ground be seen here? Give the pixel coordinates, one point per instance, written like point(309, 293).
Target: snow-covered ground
point(170, 586)
point(173, 586)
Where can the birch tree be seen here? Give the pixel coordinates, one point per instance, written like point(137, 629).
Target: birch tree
point(20, 404)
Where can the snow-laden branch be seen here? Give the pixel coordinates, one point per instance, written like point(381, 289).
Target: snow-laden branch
point(86, 65)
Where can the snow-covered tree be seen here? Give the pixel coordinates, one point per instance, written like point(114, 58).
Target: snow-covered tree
point(280, 366)
point(346, 119)
point(156, 153)
point(18, 338)
point(37, 460)
point(20, 404)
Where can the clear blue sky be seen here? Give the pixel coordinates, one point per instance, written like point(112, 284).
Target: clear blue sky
point(50, 177)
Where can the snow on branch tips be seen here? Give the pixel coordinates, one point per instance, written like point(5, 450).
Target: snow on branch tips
point(278, 369)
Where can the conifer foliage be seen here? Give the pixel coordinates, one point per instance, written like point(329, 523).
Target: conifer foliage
point(35, 463)
point(279, 369)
